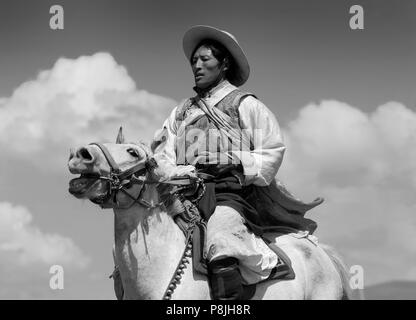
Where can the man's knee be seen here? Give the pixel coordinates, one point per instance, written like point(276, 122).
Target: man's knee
point(224, 217)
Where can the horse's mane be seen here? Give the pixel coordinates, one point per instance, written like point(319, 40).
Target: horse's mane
point(159, 172)
point(145, 146)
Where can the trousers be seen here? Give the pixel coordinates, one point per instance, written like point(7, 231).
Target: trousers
point(228, 236)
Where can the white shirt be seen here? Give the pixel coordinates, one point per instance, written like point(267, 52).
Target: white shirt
point(260, 164)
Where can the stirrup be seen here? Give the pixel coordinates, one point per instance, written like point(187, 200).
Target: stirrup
point(225, 279)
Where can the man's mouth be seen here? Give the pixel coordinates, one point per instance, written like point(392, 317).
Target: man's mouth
point(81, 185)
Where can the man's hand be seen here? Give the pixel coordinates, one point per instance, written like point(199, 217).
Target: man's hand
point(180, 171)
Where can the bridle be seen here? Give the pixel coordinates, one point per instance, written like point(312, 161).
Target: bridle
point(120, 181)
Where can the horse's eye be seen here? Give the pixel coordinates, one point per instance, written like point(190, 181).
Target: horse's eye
point(133, 152)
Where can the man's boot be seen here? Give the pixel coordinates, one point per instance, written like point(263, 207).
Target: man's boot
point(225, 279)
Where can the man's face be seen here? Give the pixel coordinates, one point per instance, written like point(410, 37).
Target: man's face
point(206, 67)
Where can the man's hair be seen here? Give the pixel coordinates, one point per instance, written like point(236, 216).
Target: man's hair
point(220, 53)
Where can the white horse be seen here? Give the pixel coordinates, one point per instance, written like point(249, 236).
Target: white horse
point(150, 249)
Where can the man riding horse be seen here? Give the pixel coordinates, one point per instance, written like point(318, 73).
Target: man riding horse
point(232, 138)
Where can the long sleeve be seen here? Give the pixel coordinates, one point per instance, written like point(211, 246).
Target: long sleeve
point(165, 140)
point(261, 128)
point(165, 149)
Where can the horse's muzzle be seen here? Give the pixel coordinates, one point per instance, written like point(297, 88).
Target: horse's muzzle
point(80, 186)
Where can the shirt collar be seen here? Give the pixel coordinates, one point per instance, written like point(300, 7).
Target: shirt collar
point(217, 93)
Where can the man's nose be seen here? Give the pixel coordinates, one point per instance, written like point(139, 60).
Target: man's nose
point(198, 64)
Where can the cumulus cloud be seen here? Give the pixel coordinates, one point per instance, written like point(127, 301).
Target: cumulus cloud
point(27, 254)
point(365, 167)
point(78, 101)
point(24, 244)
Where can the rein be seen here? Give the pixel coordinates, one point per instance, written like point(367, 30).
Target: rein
point(118, 180)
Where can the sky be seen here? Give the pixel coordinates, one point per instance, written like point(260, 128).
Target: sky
point(345, 100)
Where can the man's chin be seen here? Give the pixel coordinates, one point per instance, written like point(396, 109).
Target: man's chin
point(201, 85)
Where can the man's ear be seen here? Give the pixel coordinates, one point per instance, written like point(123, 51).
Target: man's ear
point(226, 64)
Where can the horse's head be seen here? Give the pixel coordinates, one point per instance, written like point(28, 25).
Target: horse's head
point(111, 174)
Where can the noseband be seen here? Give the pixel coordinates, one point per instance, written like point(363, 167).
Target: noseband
point(120, 180)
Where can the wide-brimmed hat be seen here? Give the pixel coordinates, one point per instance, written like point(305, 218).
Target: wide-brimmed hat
point(196, 34)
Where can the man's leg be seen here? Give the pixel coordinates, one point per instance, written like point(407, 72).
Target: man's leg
point(235, 255)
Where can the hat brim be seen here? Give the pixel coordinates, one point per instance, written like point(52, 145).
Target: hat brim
point(196, 34)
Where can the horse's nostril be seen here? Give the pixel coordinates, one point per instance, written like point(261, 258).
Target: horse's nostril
point(84, 154)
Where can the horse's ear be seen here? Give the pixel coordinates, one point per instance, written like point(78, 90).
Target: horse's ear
point(120, 136)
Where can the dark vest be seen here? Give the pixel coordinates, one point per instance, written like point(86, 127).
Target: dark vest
point(203, 126)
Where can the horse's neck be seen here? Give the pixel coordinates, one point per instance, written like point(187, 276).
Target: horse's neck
point(148, 248)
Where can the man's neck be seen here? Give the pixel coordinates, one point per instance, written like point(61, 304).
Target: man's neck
point(206, 92)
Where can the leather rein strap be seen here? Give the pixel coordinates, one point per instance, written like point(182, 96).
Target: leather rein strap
point(118, 180)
